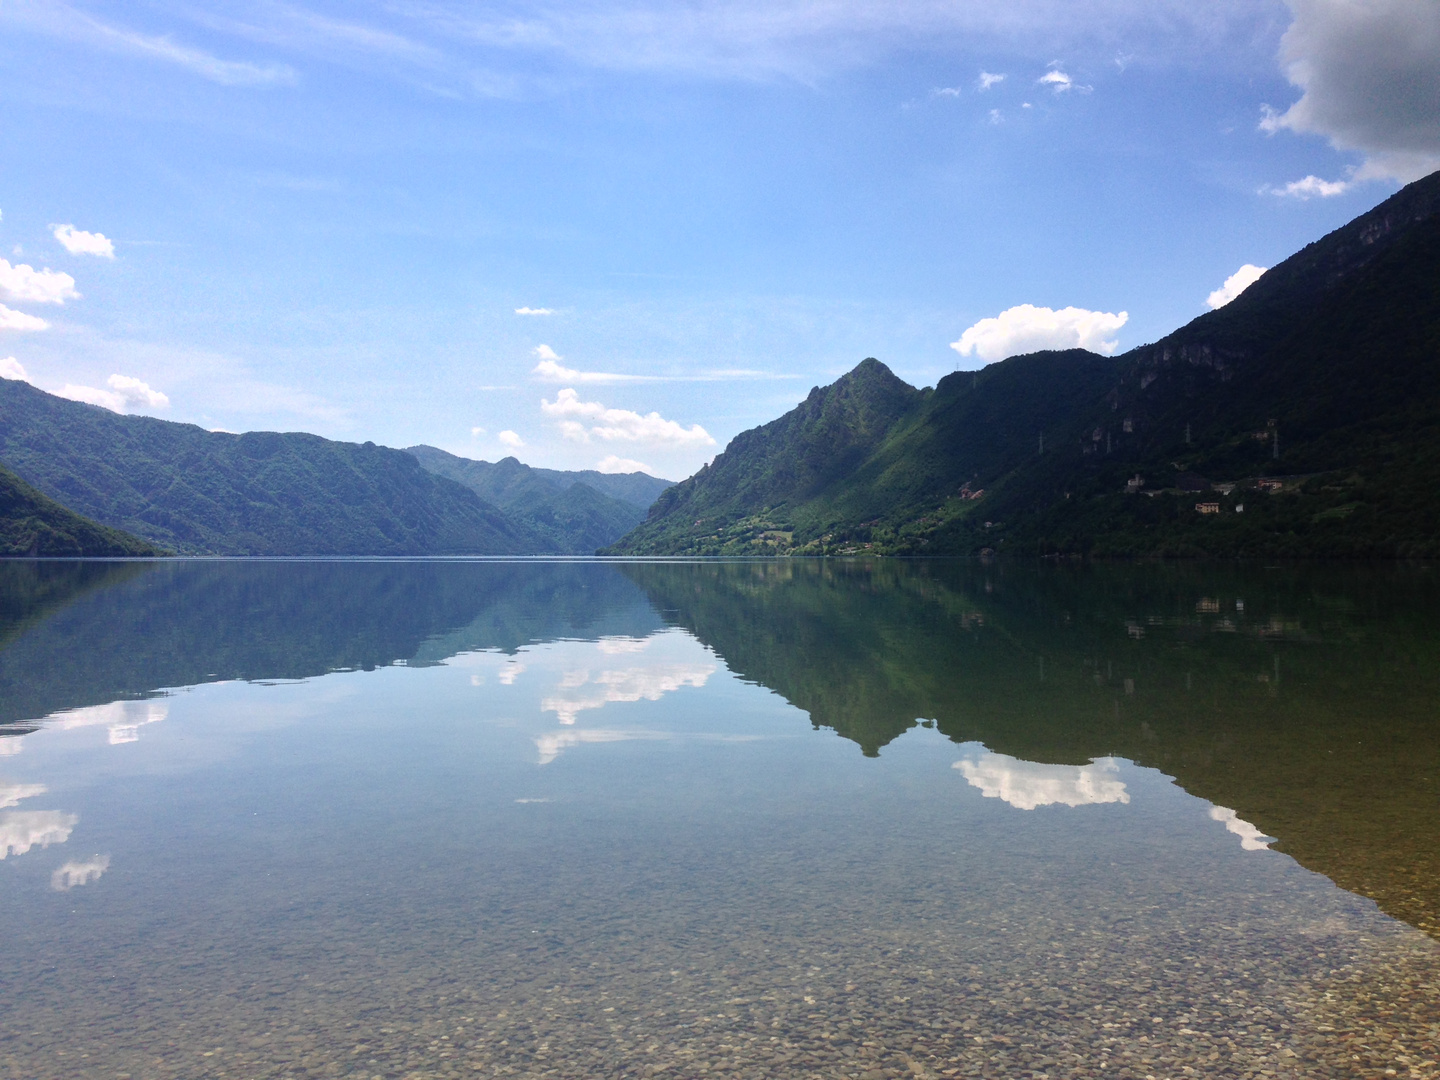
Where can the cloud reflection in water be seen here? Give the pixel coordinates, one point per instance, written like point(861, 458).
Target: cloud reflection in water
point(21, 830)
point(1030, 784)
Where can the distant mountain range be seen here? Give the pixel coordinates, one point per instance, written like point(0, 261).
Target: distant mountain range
point(180, 487)
point(1301, 419)
point(571, 513)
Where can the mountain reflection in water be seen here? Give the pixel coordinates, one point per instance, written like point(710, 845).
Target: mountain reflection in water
point(1300, 701)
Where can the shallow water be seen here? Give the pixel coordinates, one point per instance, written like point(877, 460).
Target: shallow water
point(753, 818)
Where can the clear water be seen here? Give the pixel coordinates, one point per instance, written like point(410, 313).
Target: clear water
point(770, 819)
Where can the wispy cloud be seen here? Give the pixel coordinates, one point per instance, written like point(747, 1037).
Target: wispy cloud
point(988, 79)
point(550, 369)
point(534, 311)
point(63, 21)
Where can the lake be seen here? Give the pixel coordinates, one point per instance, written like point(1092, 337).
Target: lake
point(779, 818)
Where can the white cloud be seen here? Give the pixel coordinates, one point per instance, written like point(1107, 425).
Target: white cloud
point(24, 282)
point(549, 369)
point(1309, 188)
point(510, 672)
point(10, 368)
point(945, 91)
point(476, 432)
point(1027, 328)
point(808, 39)
point(18, 320)
point(1058, 79)
point(1369, 72)
point(510, 439)
point(66, 22)
point(125, 393)
point(988, 79)
point(11, 794)
point(21, 830)
point(619, 424)
point(614, 464)
point(1251, 838)
point(78, 242)
point(1030, 784)
point(534, 311)
point(1235, 284)
point(73, 873)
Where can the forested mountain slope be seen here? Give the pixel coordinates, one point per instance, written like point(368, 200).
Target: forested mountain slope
point(261, 493)
point(36, 526)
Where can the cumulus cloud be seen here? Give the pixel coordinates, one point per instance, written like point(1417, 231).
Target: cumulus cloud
point(510, 439)
point(1251, 838)
point(74, 873)
point(1030, 784)
point(125, 393)
point(1309, 188)
point(21, 830)
point(18, 320)
point(23, 282)
point(1027, 328)
point(10, 368)
point(1235, 284)
point(534, 311)
point(78, 242)
point(1369, 75)
point(621, 425)
point(612, 463)
point(988, 79)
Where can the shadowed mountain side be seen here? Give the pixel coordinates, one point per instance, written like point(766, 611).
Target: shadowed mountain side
point(1302, 419)
point(1308, 709)
point(261, 493)
point(570, 516)
point(32, 524)
point(128, 634)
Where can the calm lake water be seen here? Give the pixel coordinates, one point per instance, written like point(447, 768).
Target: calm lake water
point(757, 818)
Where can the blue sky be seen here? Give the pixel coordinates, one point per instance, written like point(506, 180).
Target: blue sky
point(324, 217)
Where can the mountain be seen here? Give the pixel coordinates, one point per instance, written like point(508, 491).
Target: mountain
point(33, 525)
point(1301, 419)
point(261, 493)
point(574, 512)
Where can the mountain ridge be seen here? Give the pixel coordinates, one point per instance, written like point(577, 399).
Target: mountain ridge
point(1324, 375)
